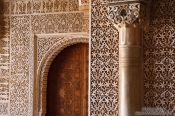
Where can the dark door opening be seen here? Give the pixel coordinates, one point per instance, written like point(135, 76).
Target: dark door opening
point(67, 87)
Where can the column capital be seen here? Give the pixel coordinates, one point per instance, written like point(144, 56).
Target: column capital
point(129, 12)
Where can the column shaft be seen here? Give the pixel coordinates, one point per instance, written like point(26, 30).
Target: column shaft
point(130, 70)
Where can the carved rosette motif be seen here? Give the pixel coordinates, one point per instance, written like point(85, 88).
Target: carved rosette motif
point(43, 6)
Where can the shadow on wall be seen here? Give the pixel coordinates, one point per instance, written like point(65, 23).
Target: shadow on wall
point(3, 28)
point(159, 57)
point(2, 22)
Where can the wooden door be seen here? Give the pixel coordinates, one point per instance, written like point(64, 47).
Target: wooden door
point(67, 91)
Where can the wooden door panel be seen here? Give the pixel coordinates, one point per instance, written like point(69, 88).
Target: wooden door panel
point(68, 83)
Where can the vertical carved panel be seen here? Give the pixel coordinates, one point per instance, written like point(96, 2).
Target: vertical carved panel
point(104, 64)
point(19, 81)
point(159, 57)
point(159, 66)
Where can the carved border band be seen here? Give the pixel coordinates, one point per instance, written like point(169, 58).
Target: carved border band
point(60, 42)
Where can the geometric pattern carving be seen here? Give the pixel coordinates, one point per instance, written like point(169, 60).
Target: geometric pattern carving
point(46, 42)
point(43, 6)
point(84, 2)
point(159, 81)
point(20, 55)
point(159, 57)
point(159, 65)
point(57, 23)
point(126, 13)
point(85, 24)
point(3, 109)
point(104, 64)
point(29, 17)
point(60, 42)
point(163, 8)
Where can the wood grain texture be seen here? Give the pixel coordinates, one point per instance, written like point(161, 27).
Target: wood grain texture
point(68, 82)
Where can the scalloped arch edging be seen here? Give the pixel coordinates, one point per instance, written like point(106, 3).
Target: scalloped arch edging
point(43, 69)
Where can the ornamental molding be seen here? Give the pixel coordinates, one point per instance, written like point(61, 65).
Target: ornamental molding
point(129, 12)
point(56, 43)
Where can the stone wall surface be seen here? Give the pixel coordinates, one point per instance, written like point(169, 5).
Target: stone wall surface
point(159, 59)
point(21, 19)
point(104, 62)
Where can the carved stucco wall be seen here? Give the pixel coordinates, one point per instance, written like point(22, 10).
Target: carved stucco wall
point(20, 21)
point(159, 59)
point(48, 47)
point(16, 49)
point(104, 62)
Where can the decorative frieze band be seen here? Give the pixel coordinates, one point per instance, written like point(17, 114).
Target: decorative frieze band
point(57, 23)
point(43, 6)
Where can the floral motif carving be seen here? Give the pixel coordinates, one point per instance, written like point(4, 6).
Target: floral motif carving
point(43, 6)
point(44, 44)
point(3, 109)
point(158, 59)
point(104, 64)
point(159, 66)
point(16, 66)
point(83, 2)
point(127, 13)
point(57, 23)
point(20, 55)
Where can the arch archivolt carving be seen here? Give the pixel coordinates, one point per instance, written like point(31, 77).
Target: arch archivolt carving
point(56, 45)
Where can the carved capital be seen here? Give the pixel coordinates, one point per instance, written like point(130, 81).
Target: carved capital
point(128, 12)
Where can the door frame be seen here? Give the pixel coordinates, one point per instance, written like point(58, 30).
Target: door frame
point(41, 70)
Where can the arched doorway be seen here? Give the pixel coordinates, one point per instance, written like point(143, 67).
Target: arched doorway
point(67, 85)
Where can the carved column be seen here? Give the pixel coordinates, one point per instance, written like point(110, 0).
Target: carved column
point(129, 17)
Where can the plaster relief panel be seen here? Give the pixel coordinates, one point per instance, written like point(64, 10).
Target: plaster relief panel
point(19, 80)
point(4, 109)
point(104, 64)
point(26, 18)
point(43, 6)
point(57, 23)
point(84, 2)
